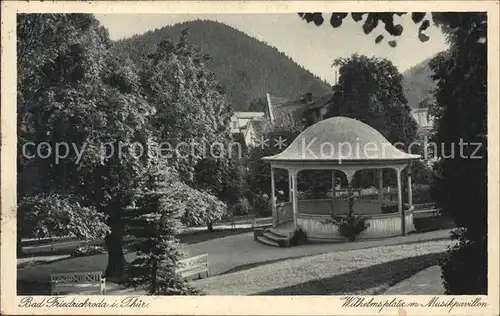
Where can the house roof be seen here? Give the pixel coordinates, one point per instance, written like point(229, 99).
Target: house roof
point(314, 104)
point(341, 139)
point(284, 109)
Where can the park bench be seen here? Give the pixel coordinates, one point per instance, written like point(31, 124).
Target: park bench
point(194, 267)
point(77, 281)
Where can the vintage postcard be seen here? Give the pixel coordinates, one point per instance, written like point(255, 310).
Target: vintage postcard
point(250, 158)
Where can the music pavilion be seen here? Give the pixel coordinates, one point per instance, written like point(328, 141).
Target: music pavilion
point(340, 145)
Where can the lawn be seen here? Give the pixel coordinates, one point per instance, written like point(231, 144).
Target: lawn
point(372, 280)
point(314, 275)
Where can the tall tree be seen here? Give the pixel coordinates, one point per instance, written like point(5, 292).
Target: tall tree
point(192, 117)
point(75, 97)
point(150, 219)
point(461, 187)
point(371, 90)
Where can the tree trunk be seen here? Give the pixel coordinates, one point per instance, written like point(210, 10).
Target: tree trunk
point(154, 272)
point(116, 258)
point(19, 233)
point(19, 244)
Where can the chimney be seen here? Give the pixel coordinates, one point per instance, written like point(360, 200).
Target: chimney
point(309, 97)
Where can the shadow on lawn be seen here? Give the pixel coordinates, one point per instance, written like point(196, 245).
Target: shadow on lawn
point(379, 277)
point(201, 236)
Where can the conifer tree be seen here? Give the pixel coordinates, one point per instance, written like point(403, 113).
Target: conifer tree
point(150, 218)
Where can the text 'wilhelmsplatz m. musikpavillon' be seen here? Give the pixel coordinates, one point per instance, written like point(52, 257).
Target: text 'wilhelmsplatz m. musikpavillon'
point(341, 145)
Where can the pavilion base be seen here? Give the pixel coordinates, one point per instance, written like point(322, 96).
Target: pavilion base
point(380, 226)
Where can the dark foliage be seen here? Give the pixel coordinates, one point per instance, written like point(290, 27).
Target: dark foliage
point(460, 187)
point(259, 178)
point(150, 219)
point(242, 207)
point(372, 20)
point(386, 209)
point(261, 204)
point(299, 237)
point(466, 269)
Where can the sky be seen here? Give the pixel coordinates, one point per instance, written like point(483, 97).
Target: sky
point(313, 47)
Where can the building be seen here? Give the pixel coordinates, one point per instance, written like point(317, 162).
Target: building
point(248, 127)
point(421, 114)
point(307, 109)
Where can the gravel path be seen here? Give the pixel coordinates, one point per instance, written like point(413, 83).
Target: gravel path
point(300, 270)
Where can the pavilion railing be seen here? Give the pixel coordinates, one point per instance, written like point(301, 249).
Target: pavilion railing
point(340, 207)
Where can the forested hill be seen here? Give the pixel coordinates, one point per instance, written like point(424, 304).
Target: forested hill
point(417, 83)
point(246, 67)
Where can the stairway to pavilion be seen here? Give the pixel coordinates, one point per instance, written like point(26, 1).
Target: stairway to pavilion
point(275, 236)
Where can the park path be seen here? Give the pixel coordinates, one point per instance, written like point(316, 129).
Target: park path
point(226, 254)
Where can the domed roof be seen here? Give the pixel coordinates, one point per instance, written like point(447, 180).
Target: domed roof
point(341, 139)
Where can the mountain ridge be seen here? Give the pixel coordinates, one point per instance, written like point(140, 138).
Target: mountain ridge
point(246, 67)
point(418, 84)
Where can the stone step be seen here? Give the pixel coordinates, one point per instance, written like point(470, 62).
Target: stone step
point(273, 234)
point(267, 241)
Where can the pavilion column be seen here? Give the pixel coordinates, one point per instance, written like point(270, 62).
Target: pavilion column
point(290, 193)
point(273, 198)
point(410, 193)
point(295, 202)
point(334, 191)
point(400, 202)
point(380, 185)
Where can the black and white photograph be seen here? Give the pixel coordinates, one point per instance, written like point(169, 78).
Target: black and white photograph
point(304, 153)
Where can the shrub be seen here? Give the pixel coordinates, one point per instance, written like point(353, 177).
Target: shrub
point(466, 257)
point(421, 194)
point(87, 250)
point(168, 283)
point(262, 205)
point(350, 226)
point(242, 207)
point(299, 237)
